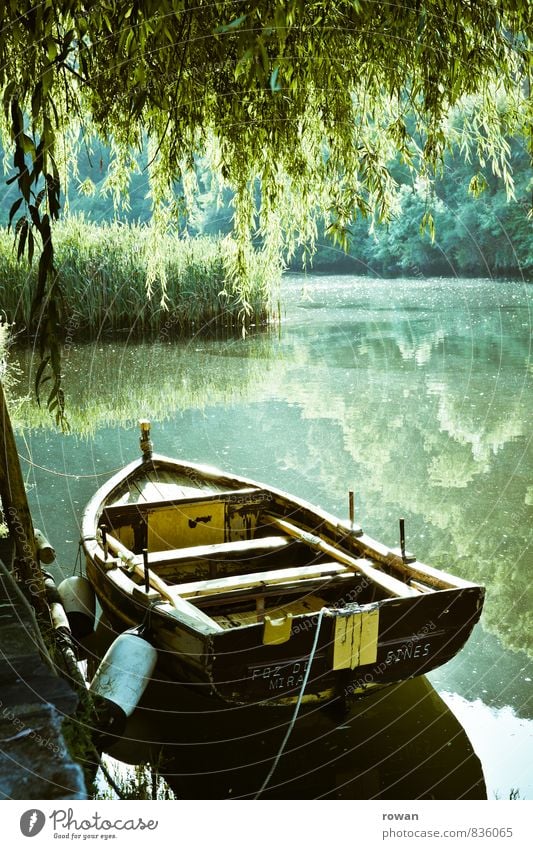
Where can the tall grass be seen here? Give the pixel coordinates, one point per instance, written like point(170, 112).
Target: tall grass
point(128, 277)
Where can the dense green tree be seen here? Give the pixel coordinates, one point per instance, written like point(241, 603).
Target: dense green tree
point(308, 97)
point(485, 235)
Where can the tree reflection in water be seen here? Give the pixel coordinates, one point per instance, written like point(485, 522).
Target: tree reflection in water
point(417, 394)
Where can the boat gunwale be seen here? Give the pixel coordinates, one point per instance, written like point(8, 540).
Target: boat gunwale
point(353, 540)
point(310, 519)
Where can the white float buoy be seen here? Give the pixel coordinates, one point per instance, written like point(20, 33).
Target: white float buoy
point(77, 596)
point(121, 679)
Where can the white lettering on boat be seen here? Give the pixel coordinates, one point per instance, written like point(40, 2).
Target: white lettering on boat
point(408, 652)
point(280, 677)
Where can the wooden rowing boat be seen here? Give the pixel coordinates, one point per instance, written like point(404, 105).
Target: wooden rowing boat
point(259, 597)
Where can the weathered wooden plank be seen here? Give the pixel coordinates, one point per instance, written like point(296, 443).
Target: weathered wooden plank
point(168, 592)
point(18, 518)
point(116, 514)
point(418, 585)
point(302, 606)
point(392, 586)
point(237, 550)
point(258, 580)
point(297, 587)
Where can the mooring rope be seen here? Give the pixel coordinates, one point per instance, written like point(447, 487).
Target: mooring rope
point(107, 775)
point(66, 474)
point(297, 708)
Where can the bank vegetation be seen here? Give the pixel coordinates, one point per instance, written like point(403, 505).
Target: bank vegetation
point(117, 277)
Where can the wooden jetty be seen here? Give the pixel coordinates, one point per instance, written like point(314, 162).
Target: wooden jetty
point(34, 761)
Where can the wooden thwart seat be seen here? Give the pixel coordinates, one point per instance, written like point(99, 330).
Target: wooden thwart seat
point(181, 605)
point(242, 549)
point(258, 580)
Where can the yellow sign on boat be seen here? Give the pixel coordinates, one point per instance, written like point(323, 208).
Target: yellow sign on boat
point(356, 639)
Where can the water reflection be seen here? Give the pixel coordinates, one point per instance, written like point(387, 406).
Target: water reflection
point(433, 410)
point(111, 384)
point(417, 394)
point(402, 744)
point(506, 770)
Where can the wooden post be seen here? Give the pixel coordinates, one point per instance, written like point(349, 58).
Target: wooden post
point(18, 518)
point(146, 570)
point(402, 538)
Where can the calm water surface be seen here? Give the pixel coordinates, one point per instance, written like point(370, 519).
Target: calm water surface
point(417, 395)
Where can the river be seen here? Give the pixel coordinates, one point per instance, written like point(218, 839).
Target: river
point(417, 395)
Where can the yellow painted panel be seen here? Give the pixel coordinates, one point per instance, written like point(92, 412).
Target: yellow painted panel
point(356, 639)
point(342, 649)
point(277, 631)
point(368, 649)
point(186, 525)
point(125, 536)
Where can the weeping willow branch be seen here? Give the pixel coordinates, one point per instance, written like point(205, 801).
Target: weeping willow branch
point(308, 100)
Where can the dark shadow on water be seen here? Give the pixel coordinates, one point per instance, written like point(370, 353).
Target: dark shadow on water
point(401, 743)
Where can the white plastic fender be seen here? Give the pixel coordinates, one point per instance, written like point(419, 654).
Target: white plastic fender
point(77, 596)
point(125, 671)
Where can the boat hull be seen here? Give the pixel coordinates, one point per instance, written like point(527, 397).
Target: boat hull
point(387, 622)
point(415, 637)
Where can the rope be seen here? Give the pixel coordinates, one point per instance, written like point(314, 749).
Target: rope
point(66, 474)
point(296, 709)
point(78, 568)
point(107, 775)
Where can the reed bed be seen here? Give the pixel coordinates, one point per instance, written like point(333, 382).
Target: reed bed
point(122, 277)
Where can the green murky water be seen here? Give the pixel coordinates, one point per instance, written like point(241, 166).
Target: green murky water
point(417, 395)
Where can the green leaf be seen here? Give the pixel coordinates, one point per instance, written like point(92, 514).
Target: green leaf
point(31, 246)
point(28, 145)
point(51, 49)
point(478, 184)
point(36, 100)
point(34, 214)
point(428, 224)
point(23, 235)
point(39, 379)
point(13, 210)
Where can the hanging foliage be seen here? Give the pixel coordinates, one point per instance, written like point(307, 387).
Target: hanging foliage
point(308, 98)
